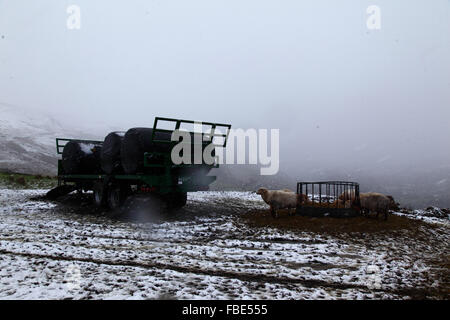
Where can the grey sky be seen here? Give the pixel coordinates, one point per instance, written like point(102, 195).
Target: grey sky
point(339, 93)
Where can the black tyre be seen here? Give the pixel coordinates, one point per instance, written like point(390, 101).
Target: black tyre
point(110, 153)
point(81, 157)
point(99, 194)
point(136, 142)
point(116, 197)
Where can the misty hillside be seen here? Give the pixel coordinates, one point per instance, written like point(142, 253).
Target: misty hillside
point(27, 140)
point(248, 178)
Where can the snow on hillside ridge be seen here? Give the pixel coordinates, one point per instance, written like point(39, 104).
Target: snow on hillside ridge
point(27, 139)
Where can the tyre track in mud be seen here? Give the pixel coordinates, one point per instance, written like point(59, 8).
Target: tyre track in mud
point(308, 283)
point(201, 241)
point(250, 261)
point(412, 292)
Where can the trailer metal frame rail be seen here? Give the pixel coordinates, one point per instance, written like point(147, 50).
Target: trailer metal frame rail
point(178, 122)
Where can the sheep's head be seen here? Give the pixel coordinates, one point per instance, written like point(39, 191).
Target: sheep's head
point(302, 198)
point(262, 191)
point(392, 204)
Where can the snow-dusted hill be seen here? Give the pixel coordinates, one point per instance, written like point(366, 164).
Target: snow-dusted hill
point(27, 140)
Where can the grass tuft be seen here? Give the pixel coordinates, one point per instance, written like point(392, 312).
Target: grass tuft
point(26, 181)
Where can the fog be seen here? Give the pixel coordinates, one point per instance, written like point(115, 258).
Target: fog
point(345, 98)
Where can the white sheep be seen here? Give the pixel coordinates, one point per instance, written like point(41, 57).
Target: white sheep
point(335, 204)
point(393, 205)
point(343, 204)
point(375, 202)
point(280, 199)
point(347, 195)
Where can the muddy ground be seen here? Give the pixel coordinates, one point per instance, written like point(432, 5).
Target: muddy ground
point(222, 245)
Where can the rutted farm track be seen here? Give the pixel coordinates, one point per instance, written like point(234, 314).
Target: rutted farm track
point(204, 251)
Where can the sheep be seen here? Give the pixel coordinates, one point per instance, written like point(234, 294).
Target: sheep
point(347, 204)
point(347, 195)
point(392, 204)
point(375, 202)
point(280, 199)
point(304, 200)
point(341, 204)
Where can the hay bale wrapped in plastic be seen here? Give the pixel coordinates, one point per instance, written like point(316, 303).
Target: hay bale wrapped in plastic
point(110, 155)
point(81, 157)
point(136, 142)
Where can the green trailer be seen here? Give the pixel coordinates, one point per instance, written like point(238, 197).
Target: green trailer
point(160, 178)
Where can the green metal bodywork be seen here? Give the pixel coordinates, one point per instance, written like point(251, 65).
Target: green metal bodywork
point(170, 178)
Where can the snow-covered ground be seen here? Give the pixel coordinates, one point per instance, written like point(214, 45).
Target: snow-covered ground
point(56, 251)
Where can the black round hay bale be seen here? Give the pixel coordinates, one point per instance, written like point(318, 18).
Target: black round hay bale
point(81, 158)
point(136, 142)
point(110, 155)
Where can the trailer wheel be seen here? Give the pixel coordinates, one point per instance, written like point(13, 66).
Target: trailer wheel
point(99, 194)
point(116, 197)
